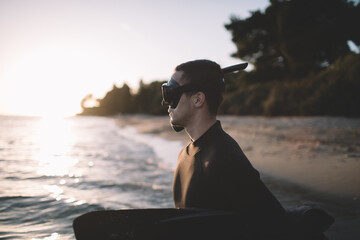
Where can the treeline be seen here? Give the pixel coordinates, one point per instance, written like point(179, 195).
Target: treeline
point(333, 91)
point(147, 100)
point(303, 65)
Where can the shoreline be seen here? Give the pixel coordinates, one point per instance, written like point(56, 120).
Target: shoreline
point(300, 165)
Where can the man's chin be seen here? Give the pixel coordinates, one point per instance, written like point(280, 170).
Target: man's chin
point(174, 123)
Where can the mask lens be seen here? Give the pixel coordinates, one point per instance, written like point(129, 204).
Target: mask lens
point(175, 101)
point(170, 93)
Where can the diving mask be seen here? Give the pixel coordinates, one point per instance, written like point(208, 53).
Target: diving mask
point(172, 91)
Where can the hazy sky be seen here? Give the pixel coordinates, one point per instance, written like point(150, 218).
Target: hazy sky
point(53, 53)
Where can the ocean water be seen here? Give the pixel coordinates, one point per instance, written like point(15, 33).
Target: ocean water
point(52, 171)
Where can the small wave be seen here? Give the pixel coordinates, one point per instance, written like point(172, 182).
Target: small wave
point(13, 197)
point(22, 201)
point(166, 150)
point(18, 178)
point(142, 186)
point(128, 186)
point(41, 209)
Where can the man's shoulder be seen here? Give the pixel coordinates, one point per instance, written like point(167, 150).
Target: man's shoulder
point(222, 148)
point(223, 141)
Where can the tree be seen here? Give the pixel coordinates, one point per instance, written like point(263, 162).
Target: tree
point(89, 101)
point(296, 37)
point(118, 100)
point(148, 99)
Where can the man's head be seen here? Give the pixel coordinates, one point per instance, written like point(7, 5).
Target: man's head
point(200, 76)
point(195, 92)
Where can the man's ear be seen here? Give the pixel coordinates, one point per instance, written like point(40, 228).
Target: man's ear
point(199, 99)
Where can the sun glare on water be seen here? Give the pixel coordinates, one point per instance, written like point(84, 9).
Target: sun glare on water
point(55, 139)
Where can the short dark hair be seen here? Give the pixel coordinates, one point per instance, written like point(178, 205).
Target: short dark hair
point(209, 77)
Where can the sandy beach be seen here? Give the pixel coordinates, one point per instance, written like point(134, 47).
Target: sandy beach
point(302, 160)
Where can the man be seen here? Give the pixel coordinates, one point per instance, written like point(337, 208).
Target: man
point(212, 171)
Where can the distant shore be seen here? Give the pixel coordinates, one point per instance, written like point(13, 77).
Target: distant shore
point(301, 159)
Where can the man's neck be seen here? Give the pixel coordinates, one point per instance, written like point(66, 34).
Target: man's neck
point(199, 126)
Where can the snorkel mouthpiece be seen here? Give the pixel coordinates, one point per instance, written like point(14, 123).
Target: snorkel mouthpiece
point(172, 91)
point(177, 128)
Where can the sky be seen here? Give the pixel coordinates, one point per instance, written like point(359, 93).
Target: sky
point(55, 52)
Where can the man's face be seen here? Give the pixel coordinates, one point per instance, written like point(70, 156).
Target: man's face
point(180, 115)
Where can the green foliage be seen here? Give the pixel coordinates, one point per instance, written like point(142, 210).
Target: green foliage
point(333, 91)
point(148, 99)
point(118, 100)
point(296, 37)
point(303, 65)
point(245, 101)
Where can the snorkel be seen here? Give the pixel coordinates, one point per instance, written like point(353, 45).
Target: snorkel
point(172, 91)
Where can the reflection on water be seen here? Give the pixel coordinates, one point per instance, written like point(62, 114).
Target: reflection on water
point(55, 139)
point(53, 170)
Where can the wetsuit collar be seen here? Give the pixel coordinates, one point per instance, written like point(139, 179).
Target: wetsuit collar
point(211, 132)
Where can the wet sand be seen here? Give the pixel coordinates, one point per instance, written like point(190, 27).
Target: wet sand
point(302, 160)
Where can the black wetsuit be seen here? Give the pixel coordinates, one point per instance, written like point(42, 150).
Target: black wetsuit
point(214, 173)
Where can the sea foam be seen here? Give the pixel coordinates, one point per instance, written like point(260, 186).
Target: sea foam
point(167, 151)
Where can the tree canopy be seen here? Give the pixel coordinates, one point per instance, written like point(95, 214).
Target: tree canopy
point(303, 63)
point(296, 37)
